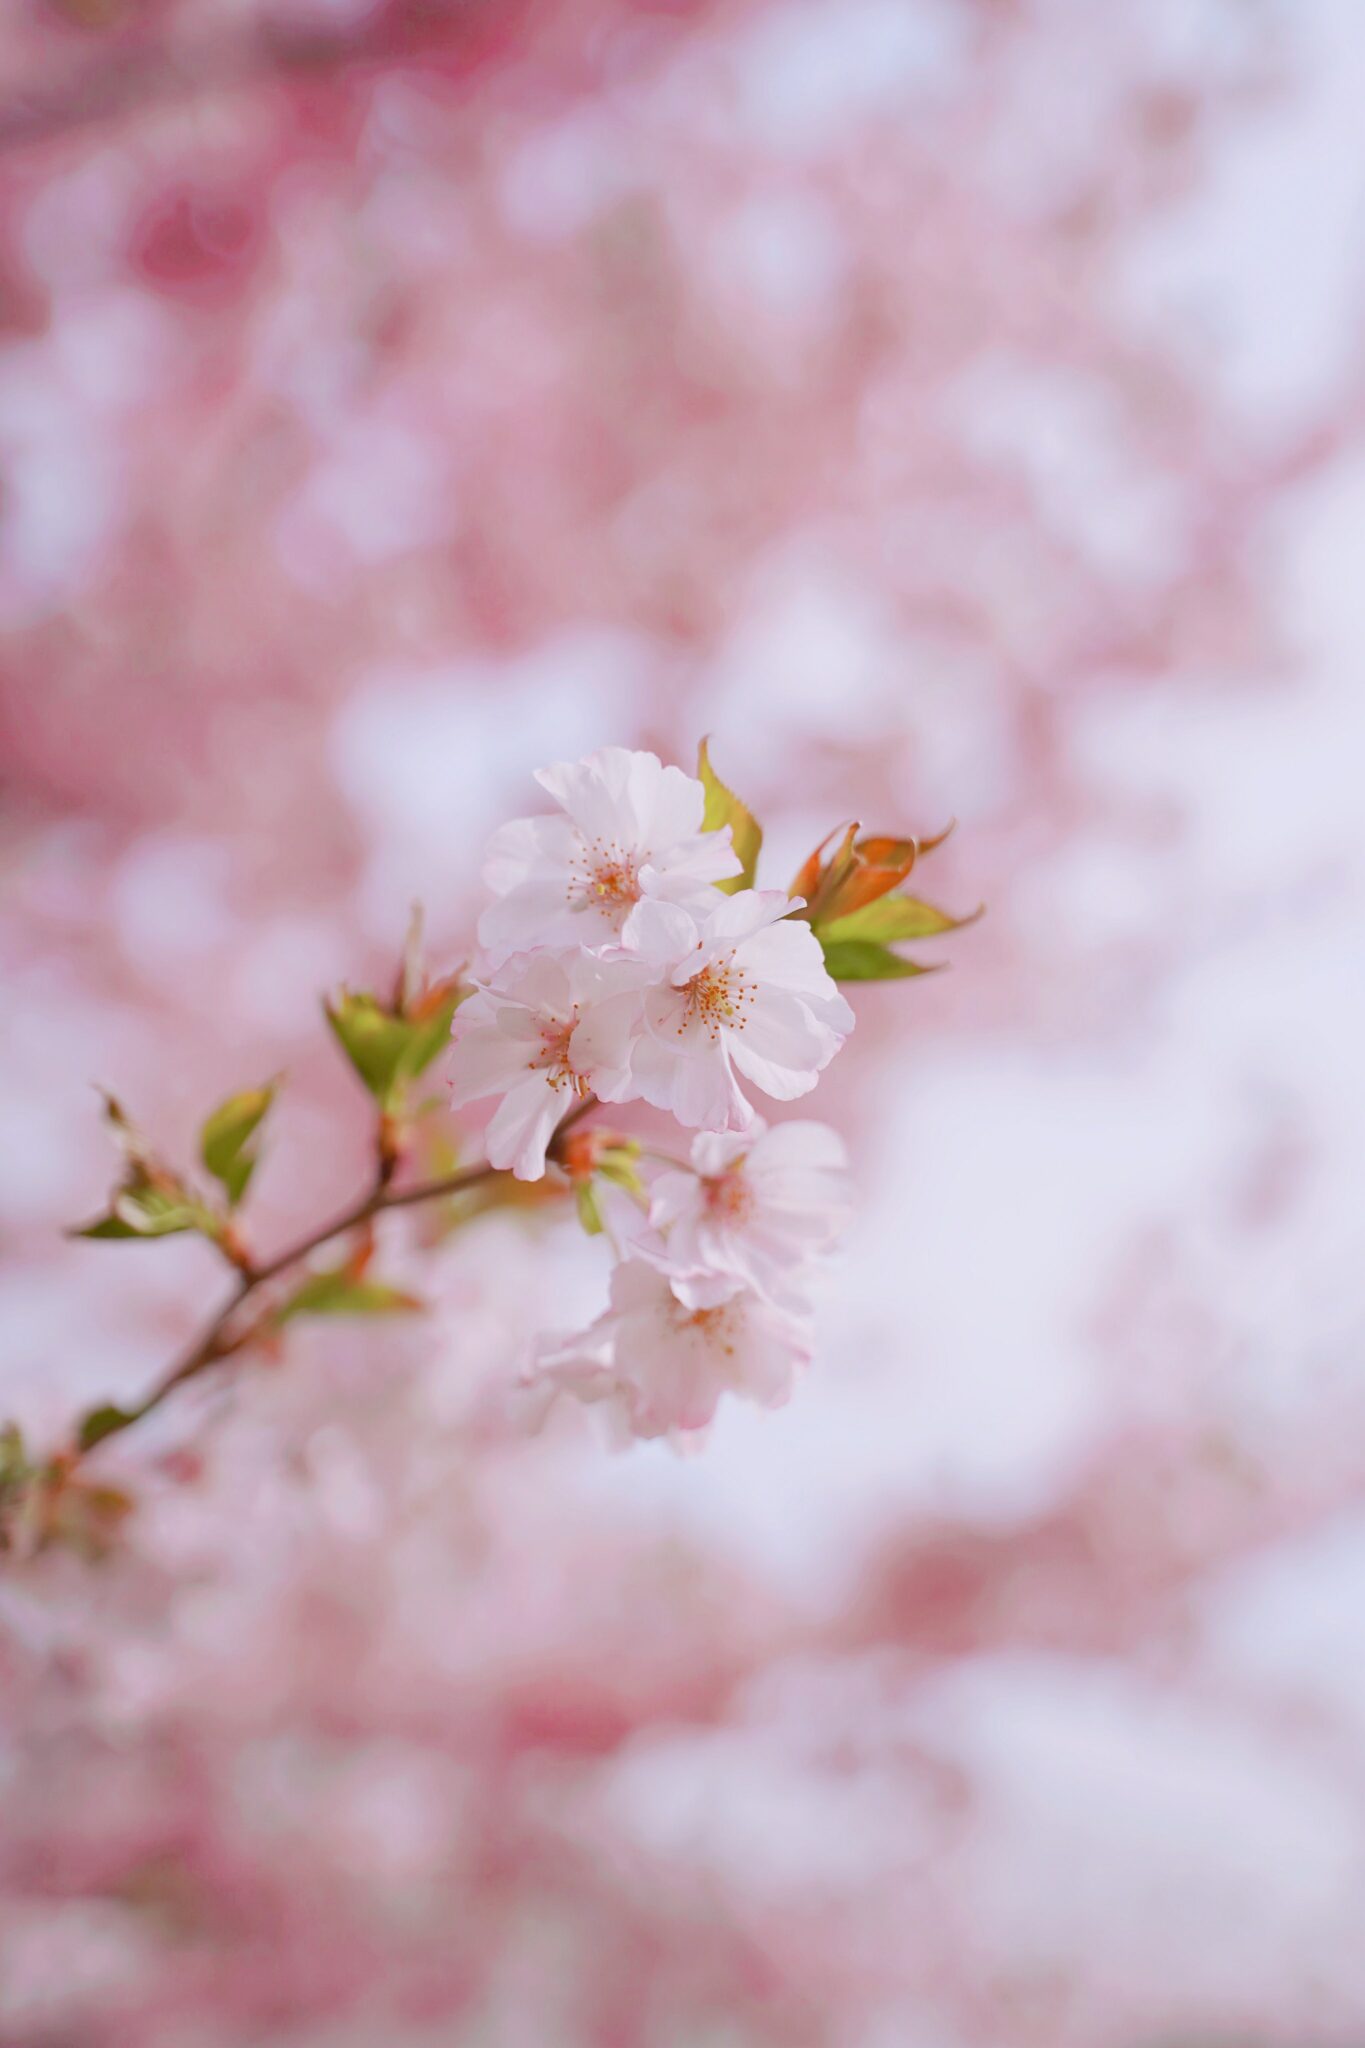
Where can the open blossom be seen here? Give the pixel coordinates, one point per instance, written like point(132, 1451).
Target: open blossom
point(754, 1210)
point(662, 1367)
point(740, 992)
point(553, 1028)
point(627, 828)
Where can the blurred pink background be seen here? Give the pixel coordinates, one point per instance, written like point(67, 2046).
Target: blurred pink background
point(955, 408)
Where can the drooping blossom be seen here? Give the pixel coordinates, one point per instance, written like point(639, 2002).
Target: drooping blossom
point(553, 1028)
point(752, 1213)
point(741, 993)
point(661, 1366)
point(627, 828)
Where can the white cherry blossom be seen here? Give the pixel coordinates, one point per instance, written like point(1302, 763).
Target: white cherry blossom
point(741, 993)
point(627, 828)
point(662, 1367)
point(752, 1213)
point(547, 1031)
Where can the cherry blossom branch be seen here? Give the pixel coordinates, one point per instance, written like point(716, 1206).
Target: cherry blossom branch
point(219, 1341)
point(655, 958)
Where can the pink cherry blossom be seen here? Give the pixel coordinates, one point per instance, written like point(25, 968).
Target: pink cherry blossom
point(755, 1208)
point(662, 1367)
point(742, 992)
point(627, 828)
point(552, 1028)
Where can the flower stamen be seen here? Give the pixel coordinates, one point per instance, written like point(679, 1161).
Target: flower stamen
point(555, 1059)
point(604, 877)
point(719, 998)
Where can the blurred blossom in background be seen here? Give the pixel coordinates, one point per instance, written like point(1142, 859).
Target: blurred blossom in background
point(955, 407)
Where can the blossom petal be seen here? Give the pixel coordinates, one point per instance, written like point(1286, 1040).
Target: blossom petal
point(485, 1061)
point(781, 1030)
point(603, 793)
point(670, 805)
point(523, 1124)
point(524, 848)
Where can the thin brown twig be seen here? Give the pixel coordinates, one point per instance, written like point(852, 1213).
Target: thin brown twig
point(218, 1341)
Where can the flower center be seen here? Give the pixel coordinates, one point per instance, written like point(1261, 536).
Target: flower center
point(716, 1327)
point(728, 1196)
point(718, 998)
point(555, 1059)
point(604, 877)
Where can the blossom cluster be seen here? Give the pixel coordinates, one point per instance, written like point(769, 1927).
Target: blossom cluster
point(624, 958)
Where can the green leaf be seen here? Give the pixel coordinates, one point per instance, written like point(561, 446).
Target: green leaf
point(373, 1040)
point(865, 960)
point(386, 1049)
point(341, 1293)
point(224, 1142)
point(14, 1465)
point(723, 807)
point(108, 1226)
point(100, 1423)
point(146, 1210)
point(429, 1034)
point(589, 1214)
point(891, 918)
point(617, 1164)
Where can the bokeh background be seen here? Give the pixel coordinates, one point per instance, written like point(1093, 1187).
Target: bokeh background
point(955, 408)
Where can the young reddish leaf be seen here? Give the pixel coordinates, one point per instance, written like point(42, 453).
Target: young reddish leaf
point(860, 872)
point(723, 807)
point(832, 876)
point(874, 876)
point(866, 960)
point(806, 880)
point(225, 1140)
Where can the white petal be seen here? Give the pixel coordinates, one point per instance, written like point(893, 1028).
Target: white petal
point(539, 981)
point(484, 1062)
point(660, 932)
point(747, 912)
point(673, 1197)
point(706, 1095)
point(670, 806)
point(523, 848)
point(636, 1286)
point(714, 1152)
point(706, 1286)
point(789, 955)
point(779, 1028)
point(603, 1042)
point(685, 873)
point(523, 1125)
point(771, 1351)
point(784, 1084)
point(598, 793)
